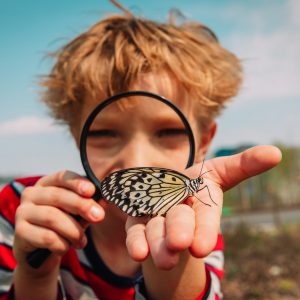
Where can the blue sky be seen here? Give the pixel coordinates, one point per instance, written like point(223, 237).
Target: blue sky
point(265, 34)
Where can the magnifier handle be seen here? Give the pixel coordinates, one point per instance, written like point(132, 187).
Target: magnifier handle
point(37, 257)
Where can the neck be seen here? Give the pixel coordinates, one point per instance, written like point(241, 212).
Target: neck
point(111, 230)
point(109, 238)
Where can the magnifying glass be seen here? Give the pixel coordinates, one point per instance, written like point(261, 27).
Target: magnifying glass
point(145, 131)
point(133, 147)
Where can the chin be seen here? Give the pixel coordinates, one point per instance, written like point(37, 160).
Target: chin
point(116, 212)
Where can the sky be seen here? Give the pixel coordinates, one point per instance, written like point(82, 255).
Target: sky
point(264, 34)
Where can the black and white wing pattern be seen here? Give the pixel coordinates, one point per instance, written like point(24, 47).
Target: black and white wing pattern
point(147, 191)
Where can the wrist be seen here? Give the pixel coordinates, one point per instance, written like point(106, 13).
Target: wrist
point(33, 285)
point(47, 271)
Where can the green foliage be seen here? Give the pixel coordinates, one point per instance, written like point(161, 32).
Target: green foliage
point(277, 188)
point(262, 265)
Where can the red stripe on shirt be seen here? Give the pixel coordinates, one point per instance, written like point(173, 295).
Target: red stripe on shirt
point(9, 202)
point(9, 199)
point(207, 285)
point(28, 181)
point(220, 243)
point(7, 259)
point(218, 272)
point(101, 288)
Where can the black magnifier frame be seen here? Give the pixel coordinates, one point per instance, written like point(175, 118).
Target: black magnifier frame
point(36, 258)
point(85, 131)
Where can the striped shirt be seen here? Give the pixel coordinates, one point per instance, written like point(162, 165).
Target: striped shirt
point(83, 274)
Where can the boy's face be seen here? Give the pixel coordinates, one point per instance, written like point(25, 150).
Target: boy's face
point(141, 132)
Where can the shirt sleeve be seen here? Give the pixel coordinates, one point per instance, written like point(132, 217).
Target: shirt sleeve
point(9, 201)
point(214, 265)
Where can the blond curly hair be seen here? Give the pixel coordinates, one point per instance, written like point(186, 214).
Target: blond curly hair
point(111, 55)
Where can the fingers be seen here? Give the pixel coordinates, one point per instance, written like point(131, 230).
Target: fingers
point(39, 237)
point(163, 237)
point(62, 224)
point(136, 241)
point(196, 228)
point(69, 180)
point(163, 257)
point(231, 170)
point(144, 238)
point(44, 218)
point(65, 200)
point(180, 227)
point(207, 226)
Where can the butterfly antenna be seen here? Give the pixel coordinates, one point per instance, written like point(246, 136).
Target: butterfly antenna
point(201, 174)
point(205, 172)
point(201, 168)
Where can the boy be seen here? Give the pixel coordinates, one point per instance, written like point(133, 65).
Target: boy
point(178, 256)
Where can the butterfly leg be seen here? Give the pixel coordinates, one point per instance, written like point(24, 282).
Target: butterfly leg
point(208, 193)
point(202, 201)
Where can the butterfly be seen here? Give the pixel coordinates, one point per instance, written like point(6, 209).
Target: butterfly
point(149, 191)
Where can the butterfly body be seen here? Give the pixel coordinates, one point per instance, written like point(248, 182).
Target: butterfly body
point(148, 191)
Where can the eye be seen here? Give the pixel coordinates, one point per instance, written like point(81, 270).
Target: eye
point(171, 132)
point(102, 133)
point(103, 138)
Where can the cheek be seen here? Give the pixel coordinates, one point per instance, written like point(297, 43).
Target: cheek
point(198, 143)
point(100, 166)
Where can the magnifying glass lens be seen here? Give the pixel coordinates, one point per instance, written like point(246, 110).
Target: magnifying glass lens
point(136, 131)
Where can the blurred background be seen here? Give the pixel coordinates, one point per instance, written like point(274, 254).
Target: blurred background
point(261, 217)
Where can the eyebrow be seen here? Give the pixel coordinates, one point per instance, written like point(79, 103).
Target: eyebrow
point(163, 119)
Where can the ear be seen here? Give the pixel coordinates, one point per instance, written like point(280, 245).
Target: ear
point(206, 138)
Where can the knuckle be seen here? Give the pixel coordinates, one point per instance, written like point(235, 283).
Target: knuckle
point(48, 217)
point(77, 236)
point(49, 238)
point(82, 206)
point(27, 194)
point(61, 175)
point(20, 230)
point(55, 196)
point(68, 179)
point(86, 206)
point(19, 214)
point(22, 212)
point(60, 247)
point(77, 204)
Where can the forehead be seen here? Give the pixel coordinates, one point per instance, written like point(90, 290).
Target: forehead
point(161, 83)
point(138, 111)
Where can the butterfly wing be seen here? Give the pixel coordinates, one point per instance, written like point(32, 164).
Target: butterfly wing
point(145, 191)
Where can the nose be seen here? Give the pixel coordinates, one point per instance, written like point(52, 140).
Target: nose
point(139, 152)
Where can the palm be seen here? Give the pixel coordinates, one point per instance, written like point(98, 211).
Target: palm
point(196, 226)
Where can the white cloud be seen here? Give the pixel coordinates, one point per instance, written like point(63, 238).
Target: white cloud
point(294, 8)
point(27, 125)
point(271, 56)
point(266, 36)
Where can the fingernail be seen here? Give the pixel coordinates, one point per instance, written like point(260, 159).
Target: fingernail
point(95, 212)
point(85, 187)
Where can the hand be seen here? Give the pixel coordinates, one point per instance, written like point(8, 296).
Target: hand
point(43, 218)
point(196, 226)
